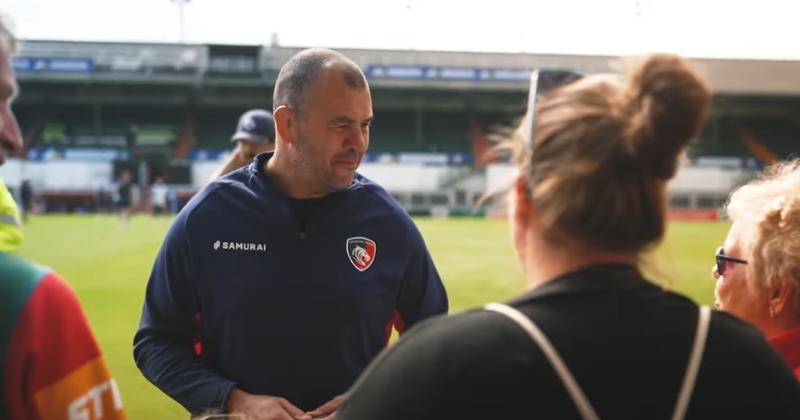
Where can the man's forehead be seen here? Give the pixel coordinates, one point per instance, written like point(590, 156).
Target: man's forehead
point(339, 97)
point(342, 118)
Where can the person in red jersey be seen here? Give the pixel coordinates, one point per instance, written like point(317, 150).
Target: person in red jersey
point(51, 366)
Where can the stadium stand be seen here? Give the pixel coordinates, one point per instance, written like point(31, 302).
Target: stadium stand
point(170, 109)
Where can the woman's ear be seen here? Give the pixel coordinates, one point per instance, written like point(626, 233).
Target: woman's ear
point(521, 206)
point(781, 297)
point(284, 123)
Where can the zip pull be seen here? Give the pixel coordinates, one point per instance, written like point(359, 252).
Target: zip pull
point(302, 235)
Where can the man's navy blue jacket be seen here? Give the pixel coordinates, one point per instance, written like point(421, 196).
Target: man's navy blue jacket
point(244, 294)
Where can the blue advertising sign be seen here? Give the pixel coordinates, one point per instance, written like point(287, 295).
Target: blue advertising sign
point(425, 158)
point(76, 154)
point(447, 73)
point(55, 65)
point(203, 154)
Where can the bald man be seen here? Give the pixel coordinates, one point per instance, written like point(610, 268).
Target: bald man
point(278, 283)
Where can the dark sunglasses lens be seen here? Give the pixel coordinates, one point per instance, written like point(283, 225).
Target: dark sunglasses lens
point(542, 82)
point(552, 79)
point(720, 266)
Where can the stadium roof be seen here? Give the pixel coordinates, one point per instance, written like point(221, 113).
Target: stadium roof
point(187, 63)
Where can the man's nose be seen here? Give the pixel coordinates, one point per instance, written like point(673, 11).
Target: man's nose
point(10, 135)
point(358, 138)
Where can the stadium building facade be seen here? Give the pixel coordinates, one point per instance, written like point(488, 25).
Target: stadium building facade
point(92, 110)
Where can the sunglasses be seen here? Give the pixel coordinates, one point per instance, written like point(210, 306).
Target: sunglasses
point(544, 81)
point(723, 261)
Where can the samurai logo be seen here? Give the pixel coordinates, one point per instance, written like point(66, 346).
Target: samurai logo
point(361, 252)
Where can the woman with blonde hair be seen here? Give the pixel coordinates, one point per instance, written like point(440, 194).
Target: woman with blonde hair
point(758, 268)
point(592, 337)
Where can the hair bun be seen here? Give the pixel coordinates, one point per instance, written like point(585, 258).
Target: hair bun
point(667, 106)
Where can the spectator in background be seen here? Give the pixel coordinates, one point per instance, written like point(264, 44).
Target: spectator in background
point(124, 195)
point(158, 196)
point(172, 202)
point(26, 196)
point(130, 139)
point(758, 268)
point(255, 133)
point(592, 338)
point(50, 364)
point(279, 282)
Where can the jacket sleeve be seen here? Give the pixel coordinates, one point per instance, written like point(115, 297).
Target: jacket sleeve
point(163, 346)
point(53, 367)
point(422, 294)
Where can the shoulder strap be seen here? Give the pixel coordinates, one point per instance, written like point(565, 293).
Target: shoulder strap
point(537, 336)
point(578, 397)
point(700, 335)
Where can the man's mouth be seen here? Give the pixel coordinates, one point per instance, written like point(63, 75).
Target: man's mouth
point(348, 160)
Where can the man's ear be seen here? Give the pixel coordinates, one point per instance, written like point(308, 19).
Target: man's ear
point(284, 124)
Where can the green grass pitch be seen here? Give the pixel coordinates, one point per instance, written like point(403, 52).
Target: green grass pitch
point(108, 268)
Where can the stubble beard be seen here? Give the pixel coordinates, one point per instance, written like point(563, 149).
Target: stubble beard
point(316, 175)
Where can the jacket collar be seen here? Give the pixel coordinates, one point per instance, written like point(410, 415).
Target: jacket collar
point(597, 277)
point(256, 169)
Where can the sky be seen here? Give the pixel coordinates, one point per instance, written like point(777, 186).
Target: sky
point(768, 29)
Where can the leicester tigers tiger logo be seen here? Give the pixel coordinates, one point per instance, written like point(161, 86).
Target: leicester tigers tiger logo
point(361, 252)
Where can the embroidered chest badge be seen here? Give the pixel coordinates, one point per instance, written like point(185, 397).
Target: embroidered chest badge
point(361, 252)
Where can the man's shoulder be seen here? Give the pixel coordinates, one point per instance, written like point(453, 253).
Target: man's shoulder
point(221, 202)
point(230, 185)
point(200, 199)
point(380, 202)
point(195, 210)
point(376, 192)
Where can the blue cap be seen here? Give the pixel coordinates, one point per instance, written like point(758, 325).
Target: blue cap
point(255, 125)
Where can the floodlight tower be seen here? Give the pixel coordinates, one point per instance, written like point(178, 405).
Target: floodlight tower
point(181, 18)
